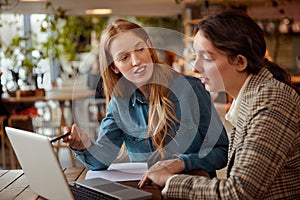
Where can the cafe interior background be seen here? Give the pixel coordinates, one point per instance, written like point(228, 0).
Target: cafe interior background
point(52, 45)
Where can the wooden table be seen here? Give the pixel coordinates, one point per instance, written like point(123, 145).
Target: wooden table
point(55, 94)
point(13, 184)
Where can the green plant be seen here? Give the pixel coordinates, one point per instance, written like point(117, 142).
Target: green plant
point(66, 37)
point(69, 35)
point(164, 22)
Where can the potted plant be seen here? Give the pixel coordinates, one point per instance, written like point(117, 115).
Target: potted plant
point(24, 60)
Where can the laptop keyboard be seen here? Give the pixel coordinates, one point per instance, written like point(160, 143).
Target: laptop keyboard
point(83, 193)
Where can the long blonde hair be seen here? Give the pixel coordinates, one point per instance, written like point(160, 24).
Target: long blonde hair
point(161, 110)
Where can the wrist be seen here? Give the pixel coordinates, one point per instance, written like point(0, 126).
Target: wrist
point(87, 144)
point(181, 164)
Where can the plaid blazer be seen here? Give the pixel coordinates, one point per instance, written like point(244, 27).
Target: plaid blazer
point(264, 149)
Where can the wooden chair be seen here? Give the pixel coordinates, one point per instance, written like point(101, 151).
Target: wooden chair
point(58, 145)
point(94, 110)
point(3, 140)
point(17, 121)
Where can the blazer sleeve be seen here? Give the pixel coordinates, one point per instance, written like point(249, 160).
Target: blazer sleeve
point(265, 138)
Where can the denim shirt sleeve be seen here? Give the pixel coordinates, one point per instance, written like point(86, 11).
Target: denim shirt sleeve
point(107, 146)
point(200, 128)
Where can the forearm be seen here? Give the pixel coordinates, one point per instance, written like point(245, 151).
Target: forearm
point(214, 160)
point(91, 163)
point(200, 187)
point(96, 157)
point(185, 187)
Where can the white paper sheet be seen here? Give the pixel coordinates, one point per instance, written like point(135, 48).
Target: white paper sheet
point(120, 172)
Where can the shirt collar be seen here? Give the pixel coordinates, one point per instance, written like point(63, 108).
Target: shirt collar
point(232, 114)
point(137, 96)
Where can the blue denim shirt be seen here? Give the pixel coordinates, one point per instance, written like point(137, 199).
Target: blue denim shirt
point(200, 139)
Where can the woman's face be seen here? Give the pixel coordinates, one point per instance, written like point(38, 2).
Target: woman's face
point(212, 65)
point(132, 58)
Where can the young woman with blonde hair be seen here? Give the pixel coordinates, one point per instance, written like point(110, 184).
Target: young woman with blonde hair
point(156, 112)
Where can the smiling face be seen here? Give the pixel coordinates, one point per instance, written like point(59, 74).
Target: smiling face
point(131, 58)
point(212, 64)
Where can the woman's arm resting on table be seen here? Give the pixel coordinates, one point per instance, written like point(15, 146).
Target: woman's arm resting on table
point(162, 170)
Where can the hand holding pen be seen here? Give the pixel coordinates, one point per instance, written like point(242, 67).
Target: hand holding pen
point(60, 137)
point(75, 137)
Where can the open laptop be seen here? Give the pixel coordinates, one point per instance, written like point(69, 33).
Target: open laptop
point(46, 178)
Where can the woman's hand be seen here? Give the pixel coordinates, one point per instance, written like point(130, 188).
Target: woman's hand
point(161, 171)
point(158, 177)
point(77, 139)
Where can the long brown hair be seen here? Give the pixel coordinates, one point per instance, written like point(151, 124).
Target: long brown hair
point(161, 110)
point(234, 32)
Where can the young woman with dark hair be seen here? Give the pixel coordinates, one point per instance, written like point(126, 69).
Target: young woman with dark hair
point(264, 148)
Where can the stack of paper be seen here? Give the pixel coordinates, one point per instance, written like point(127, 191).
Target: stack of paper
point(132, 171)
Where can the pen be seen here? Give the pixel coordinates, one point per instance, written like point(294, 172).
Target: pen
point(59, 137)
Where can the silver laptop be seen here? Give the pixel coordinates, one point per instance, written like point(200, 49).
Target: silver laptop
point(46, 178)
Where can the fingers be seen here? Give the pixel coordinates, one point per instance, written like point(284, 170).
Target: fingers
point(73, 139)
point(143, 180)
point(157, 174)
point(77, 139)
point(152, 171)
point(66, 129)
